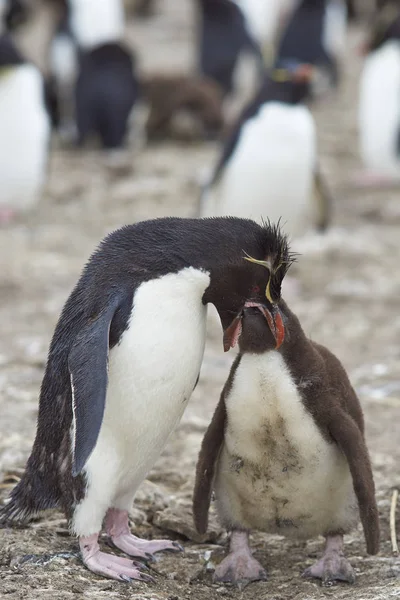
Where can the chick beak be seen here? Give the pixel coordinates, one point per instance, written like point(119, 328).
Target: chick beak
point(274, 319)
point(232, 333)
point(275, 323)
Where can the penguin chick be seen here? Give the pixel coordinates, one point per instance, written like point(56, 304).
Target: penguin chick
point(223, 39)
point(167, 96)
point(25, 132)
point(124, 360)
point(315, 34)
point(269, 164)
point(285, 452)
point(379, 107)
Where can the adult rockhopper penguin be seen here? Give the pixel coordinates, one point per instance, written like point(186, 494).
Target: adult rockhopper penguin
point(285, 452)
point(124, 360)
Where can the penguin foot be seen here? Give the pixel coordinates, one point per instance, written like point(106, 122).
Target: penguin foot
point(117, 527)
point(108, 565)
point(239, 566)
point(333, 566)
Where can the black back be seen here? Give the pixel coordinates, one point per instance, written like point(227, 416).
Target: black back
point(106, 91)
point(223, 36)
point(10, 56)
point(302, 39)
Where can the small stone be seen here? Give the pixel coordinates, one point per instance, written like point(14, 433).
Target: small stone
point(77, 589)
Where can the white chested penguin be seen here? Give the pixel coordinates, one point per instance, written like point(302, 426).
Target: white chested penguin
point(315, 34)
point(106, 87)
point(24, 131)
point(224, 38)
point(285, 452)
point(123, 362)
point(379, 105)
point(265, 19)
point(268, 167)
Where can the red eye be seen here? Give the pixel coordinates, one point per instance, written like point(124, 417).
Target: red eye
point(255, 289)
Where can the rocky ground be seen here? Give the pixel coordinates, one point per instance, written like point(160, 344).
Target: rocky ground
point(348, 299)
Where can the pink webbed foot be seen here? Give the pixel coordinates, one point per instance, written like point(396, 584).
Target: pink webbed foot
point(333, 566)
point(108, 565)
point(239, 566)
point(117, 527)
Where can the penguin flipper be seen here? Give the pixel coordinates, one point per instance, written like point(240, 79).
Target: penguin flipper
point(350, 440)
point(322, 201)
point(88, 368)
point(209, 452)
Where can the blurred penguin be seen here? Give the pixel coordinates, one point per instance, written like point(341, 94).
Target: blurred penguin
point(24, 131)
point(379, 100)
point(316, 34)
point(105, 84)
point(35, 22)
point(225, 38)
point(265, 19)
point(268, 168)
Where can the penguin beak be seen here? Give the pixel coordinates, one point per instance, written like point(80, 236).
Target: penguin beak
point(275, 323)
point(274, 319)
point(232, 333)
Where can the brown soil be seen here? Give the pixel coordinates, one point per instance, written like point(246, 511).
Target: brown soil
point(348, 299)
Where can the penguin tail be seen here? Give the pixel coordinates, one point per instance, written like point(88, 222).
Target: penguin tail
point(30, 496)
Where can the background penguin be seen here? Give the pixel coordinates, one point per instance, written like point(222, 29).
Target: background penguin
point(379, 105)
point(123, 362)
point(315, 34)
point(268, 166)
point(285, 451)
point(24, 131)
point(106, 87)
point(264, 19)
point(224, 37)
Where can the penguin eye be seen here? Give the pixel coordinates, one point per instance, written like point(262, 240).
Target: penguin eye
point(255, 289)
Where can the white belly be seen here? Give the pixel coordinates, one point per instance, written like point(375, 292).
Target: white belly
point(24, 137)
point(379, 109)
point(270, 174)
point(276, 472)
point(152, 373)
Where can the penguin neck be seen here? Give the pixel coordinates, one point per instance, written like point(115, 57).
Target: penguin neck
point(286, 92)
point(9, 55)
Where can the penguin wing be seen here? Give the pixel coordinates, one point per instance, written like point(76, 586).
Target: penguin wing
point(88, 368)
point(350, 440)
point(322, 201)
point(209, 452)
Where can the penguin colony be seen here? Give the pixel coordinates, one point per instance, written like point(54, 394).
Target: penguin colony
point(285, 451)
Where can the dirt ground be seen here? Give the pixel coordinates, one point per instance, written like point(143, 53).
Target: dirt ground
point(348, 299)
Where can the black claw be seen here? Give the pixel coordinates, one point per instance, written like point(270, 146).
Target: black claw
point(178, 546)
point(147, 578)
point(125, 578)
point(150, 557)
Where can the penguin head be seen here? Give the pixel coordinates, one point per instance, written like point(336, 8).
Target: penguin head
point(385, 26)
point(255, 283)
point(295, 79)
